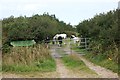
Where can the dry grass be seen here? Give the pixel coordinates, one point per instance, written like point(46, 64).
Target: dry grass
point(25, 57)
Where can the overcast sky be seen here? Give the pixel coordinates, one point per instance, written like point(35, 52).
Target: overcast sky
point(69, 11)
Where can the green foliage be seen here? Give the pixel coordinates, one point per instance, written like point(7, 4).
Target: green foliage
point(101, 26)
point(103, 29)
point(104, 33)
point(6, 48)
point(69, 33)
point(37, 27)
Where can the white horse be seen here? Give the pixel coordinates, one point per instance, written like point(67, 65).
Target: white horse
point(55, 38)
point(62, 35)
point(75, 39)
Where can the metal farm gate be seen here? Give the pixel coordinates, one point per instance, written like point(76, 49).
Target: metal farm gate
point(83, 43)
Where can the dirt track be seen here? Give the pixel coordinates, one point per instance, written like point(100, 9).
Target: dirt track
point(102, 72)
point(63, 72)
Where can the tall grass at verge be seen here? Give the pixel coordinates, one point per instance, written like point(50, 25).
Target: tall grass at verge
point(26, 59)
point(101, 60)
point(105, 59)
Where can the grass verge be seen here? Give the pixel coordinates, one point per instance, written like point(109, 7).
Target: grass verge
point(73, 62)
point(47, 65)
point(28, 59)
point(101, 60)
